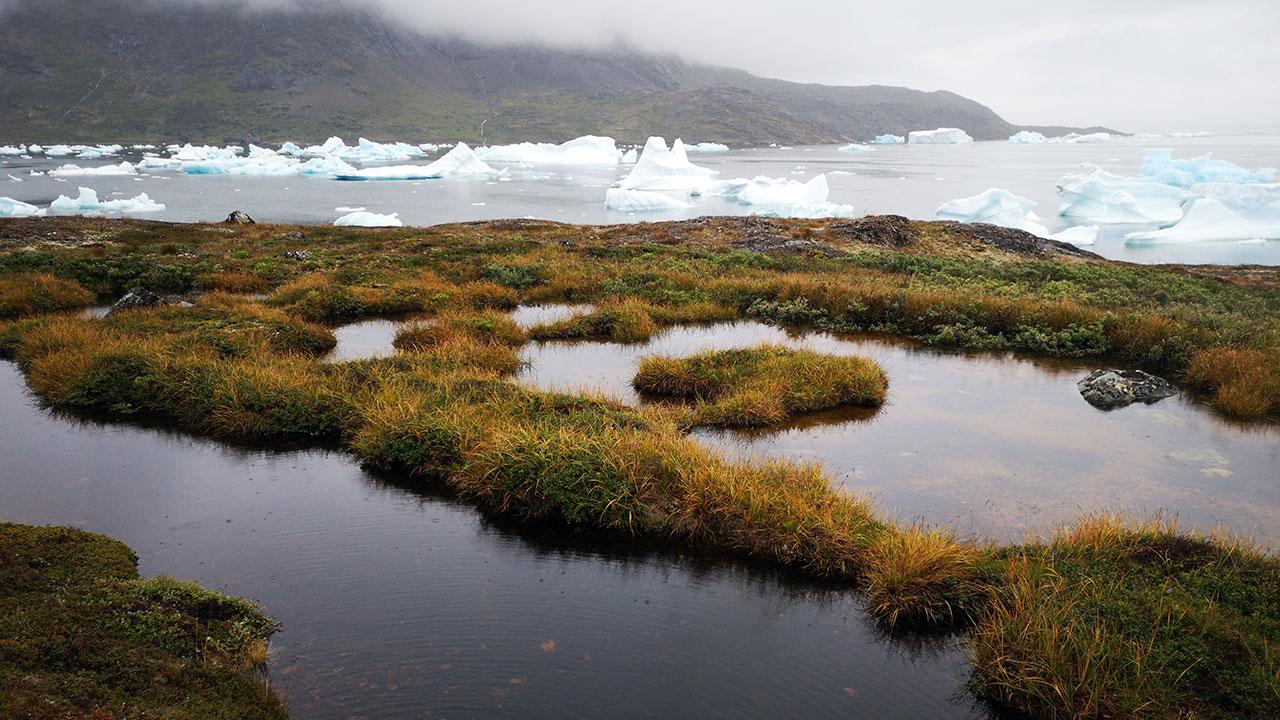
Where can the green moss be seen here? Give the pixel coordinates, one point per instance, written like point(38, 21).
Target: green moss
point(82, 636)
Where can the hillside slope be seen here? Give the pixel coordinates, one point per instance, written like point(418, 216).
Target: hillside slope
point(86, 70)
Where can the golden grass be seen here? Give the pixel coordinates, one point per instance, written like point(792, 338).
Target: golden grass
point(925, 576)
point(232, 282)
point(1243, 382)
point(32, 293)
point(625, 321)
point(485, 326)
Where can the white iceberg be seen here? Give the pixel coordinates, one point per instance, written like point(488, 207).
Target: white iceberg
point(636, 201)
point(888, 140)
point(87, 203)
point(1160, 165)
point(667, 170)
point(1099, 197)
point(460, 161)
point(11, 150)
point(59, 151)
point(783, 197)
point(941, 136)
point(995, 207)
point(362, 218)
point(706, 147)
point(123, 168)
point(290, 148)
point(630, 157)
point(586, 150)
point(1077, 138)
point(10, 208)
point(855, 147)
point(1078, 235)
point(95, 152)
point(1028, 137)
point(35, 149)
point(1222, 212)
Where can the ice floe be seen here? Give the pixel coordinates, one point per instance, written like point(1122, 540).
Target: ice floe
point(1077, 138)
point(586, 150)
point(361, 218)
point(637, 201)
point(87, 203)
point(1222, 212)
point(706, 147)
point(664, 169)
point(1099, 197)
point(783, 197)
point(11, 150)
point(941, 136)
point(1160, 165)
point(855, 148)
point(1078, 235)
point(888, 140)
point(123, 168)
point(1028, 137)
point(10, 208)
point(995, 207)
point(460, 161)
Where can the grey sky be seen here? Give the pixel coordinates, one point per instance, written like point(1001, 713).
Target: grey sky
point(1154, 65)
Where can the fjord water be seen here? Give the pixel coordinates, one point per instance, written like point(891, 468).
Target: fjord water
point(910, 180)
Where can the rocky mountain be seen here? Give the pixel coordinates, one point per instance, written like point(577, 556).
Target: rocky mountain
point(93, 70)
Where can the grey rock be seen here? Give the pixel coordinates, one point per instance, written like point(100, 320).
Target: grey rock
point(1109, 389)
point(138, 297)
point(238, 217)
point(295, 255)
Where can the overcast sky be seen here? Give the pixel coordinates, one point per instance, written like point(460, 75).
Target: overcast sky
point(1137, 65)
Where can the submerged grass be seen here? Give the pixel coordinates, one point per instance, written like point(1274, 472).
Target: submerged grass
point(1108, 620)
point(81, 635)
point(764, 385)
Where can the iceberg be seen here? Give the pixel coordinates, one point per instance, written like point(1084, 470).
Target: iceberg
point(59, 151)
point(855, 147)
point(460, 161)
point(635, 201)
point(586, 150)
point(1160, 165)
point(10, 208)
point(35, 149)
point(1028, 137)
point(1078, 235)
point(1223, 212)
point(783, 197)
point(202, 153)
point(1076, 138)
point(88, 204)
point(667, 170)
point(706, 147)
point(941, 136)
point(290, 148)
point(10, 150)
point(995, 207)
point(123, 168)
point(361, 218)
point(630, 157)
point(888, 140)
point(95, 152)
point(1099, 197)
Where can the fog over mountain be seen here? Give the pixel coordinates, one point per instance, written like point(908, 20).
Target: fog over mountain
point(1155, 65)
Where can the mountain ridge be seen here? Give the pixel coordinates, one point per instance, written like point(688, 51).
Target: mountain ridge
point(91, 70)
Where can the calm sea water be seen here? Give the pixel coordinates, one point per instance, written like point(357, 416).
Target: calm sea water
point(909, 180)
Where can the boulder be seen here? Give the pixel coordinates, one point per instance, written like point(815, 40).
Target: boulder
point(137, 297)
point(238, 217)
point(1109, 389)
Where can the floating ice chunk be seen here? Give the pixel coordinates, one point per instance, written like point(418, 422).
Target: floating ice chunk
point(95, 152)
point(1028, 137)
point(1196, 134)
point(290, 148)
point(888, 140)
point(87, 203)
point(35, 149)
point(158, 163)
point(460, 161)
point(630, 157)
point(361, 218)
point(123, 168)
point(642, 201)
point(1077, 138)
point(667, 170)
point(10, 208)
point(855, 147)
point(11, 150)
point(59, 151)
point(706, 147)
point(325, 166)
point(783, 197)
point(1078, 235)
point(941, 136)
point(345, 209)
point(1253, 241)
point(15, 178)
point(995, 207)
point(1098, 196)
point(586, 150)
point(1161, 166)
point(1223, 211)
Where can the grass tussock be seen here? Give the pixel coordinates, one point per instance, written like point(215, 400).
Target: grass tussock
point(232, 282)
point(1242, 382)
point(86, 637)
point(628, 321)
point(763, 385)
point(1117, 620)
point(925, 577)
point(487, 326)
point(33, 293)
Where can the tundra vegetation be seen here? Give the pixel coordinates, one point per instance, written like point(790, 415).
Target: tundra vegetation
point(1111, 618)
point(81, 635)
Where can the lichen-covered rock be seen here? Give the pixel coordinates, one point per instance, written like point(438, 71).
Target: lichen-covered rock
point(238, 217)
point(137, 297)
point(1108, 389)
